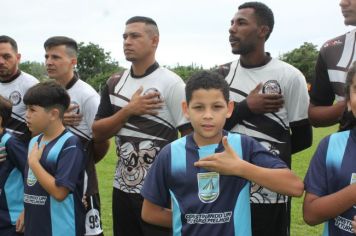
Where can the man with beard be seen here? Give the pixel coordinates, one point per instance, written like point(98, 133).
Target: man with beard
point(271, 103)
point(13, 85)
point(142, 108)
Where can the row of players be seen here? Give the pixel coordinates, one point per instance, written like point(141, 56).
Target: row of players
point(141, 107)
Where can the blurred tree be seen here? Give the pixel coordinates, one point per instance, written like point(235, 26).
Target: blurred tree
point(185, 71)
point(304, 58)
point(95, 65)
point(34, 68)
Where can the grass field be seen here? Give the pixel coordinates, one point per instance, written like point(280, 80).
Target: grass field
point(300, 164)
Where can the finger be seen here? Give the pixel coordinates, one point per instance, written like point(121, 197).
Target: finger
point(226, 145)
point(209, 165)
point(139, 90)
point(257, 89)
point(72, 107)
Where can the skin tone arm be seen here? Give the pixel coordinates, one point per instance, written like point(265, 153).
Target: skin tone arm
point(139, 105)
point(157, 215)
point(71, 118)
point(46, 180)
point(322, 116)
point(319, 209)
point(228, 163)
point(20, 223)
point(100, 149)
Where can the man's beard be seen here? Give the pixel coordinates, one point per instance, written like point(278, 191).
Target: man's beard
point(243, 49)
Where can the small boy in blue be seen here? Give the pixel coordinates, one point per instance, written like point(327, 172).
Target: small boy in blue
point(13, 157)
point(55, 172)
point(206, 175)
point(330, 180)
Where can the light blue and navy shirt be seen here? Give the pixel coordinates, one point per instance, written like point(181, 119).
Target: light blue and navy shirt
point(332, 168)
point(11, 181)
point(63, 158)
point(203, 202)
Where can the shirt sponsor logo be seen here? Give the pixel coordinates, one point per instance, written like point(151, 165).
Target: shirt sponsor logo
point(332, 43)
point(209, 218)
point(343, 224)
point(34, 199)
point(208, 185)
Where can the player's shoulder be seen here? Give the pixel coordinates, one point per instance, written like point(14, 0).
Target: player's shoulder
point(337, 41)
point(28, 79)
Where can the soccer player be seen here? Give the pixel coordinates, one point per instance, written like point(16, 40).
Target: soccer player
point(61, 59)
point(206, 175)
point(327, 94)
point(271, 105)
point(13, 157)
point(330, 180)
point(141, 108)
point(54, 175)
point(13, 86)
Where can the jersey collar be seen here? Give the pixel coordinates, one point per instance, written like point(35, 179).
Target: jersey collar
point(149, 70)
point(72, 82)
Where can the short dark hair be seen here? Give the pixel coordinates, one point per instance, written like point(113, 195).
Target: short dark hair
point(263, 13)
point(348, 120)
point(71, 44)
point(5, 111)
point(11, 41)
point(143, 19)
point(48, 94)
point(349, 78)
point(206, 80)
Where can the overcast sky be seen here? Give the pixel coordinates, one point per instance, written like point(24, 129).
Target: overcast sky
point(192, 31)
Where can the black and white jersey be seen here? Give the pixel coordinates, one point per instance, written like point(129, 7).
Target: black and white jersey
point(87, 99)
point(142, 137)
point(335, 58)
point(272, 130)
point(15, 90)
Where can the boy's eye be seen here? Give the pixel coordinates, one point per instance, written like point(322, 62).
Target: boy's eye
point(198, 107)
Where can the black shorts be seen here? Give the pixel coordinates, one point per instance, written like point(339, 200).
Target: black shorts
point(126, 213)
point(270, 219)
point(93, 224)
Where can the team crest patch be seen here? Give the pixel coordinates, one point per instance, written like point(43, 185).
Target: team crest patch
point(15, 98)
point(208, 185)
point(152, 90)
point(271, 87)
point(31, 178)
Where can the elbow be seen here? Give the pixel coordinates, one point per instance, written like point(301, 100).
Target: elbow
point(59, 196)
point(297, 190)
point(97, 137)
point(146, 216)
point(309, 219)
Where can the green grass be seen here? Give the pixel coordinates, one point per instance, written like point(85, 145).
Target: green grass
point(300, 163)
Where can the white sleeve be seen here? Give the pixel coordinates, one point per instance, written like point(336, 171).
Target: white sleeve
point(296, 97)
point(176, 95)
point(90, 108)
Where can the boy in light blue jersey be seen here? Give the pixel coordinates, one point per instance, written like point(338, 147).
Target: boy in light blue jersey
point(13, 157)
point(330, 180)
point(54, 175)
point(206, 176)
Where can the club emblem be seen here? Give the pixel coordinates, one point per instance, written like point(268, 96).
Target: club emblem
point(271, 87)
point(208, 185)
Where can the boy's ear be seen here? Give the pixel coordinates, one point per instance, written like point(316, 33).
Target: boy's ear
point(185, 109)
point(55, 113)
point(230, 109)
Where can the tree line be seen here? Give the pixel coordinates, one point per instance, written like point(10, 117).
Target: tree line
point(95, 65)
